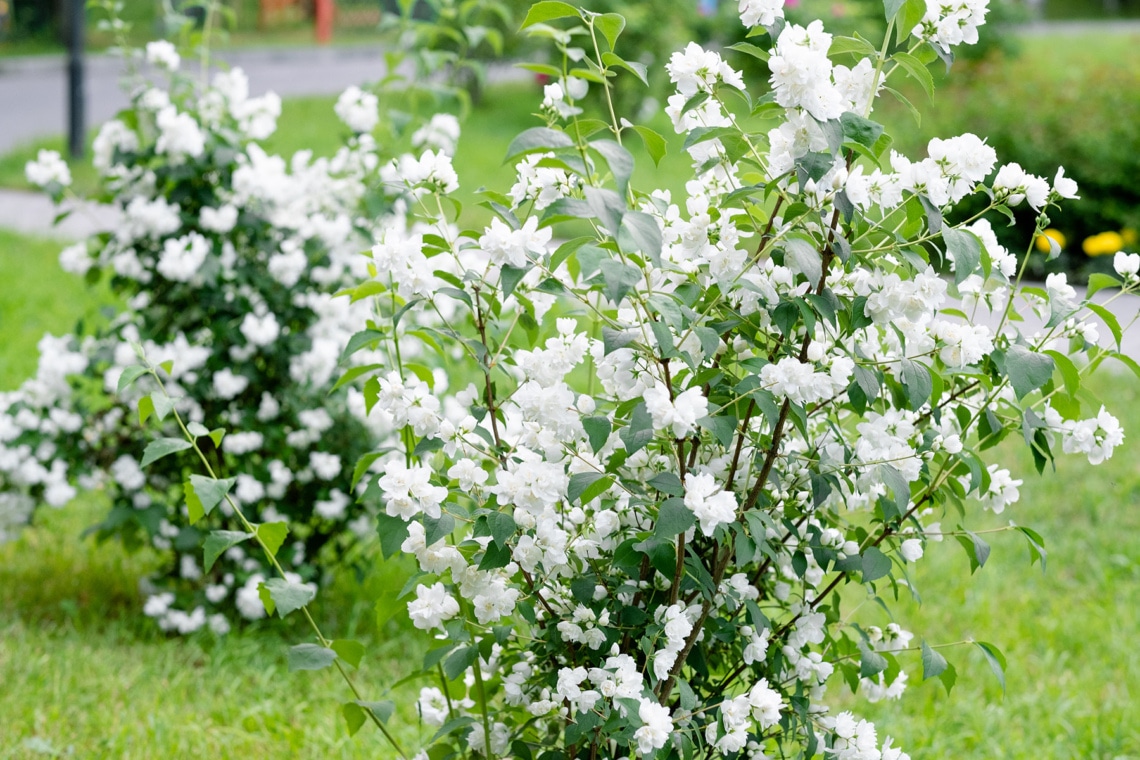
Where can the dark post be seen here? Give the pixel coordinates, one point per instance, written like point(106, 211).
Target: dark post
point(76, 27)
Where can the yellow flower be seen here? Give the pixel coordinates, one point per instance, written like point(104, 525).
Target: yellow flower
point(1103, 244)
point(1057, 236)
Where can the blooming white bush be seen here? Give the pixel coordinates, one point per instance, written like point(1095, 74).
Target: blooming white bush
point(692, 420)
point(226, 261)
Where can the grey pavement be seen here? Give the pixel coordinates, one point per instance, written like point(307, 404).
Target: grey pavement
point(33, 90)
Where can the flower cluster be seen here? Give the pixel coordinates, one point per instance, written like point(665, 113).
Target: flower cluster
point(667, 440)
point(635, 442)
point(226, 261)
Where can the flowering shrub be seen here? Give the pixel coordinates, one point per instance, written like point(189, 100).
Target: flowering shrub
point(695, 420)
point(226, 259)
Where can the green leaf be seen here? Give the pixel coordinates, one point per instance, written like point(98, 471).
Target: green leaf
point(910, 16)
point(382, 710)
point(598, 431)
point(130, 374)
point(1036, 546)
point(618, 279)
point(666, 483)
point(976, 549)
point(310, 657)
point(587, 486)
point(802, 256)
point(855, 45)
point(871, 663)
point(673, 518)
point(1027, 370)
point(146, 409)
point(1069, 373)
point(156, 450)
point(538, 139)
point(217, 543)
point(459, 661)
point(722, 427)
point(203, 494)
point(509, 278)
point(655, 144)
point(918, 71)
point(354, 717)
point(163, 406)
point(348, 650)
point(392, 531)
point(272, 535)
point(916, 378)
point(749, 49)
point(618, 159)
point(611, 25)
point(612, 339)
point(965, 249)
point(1109, 319)
point(288, 596)
point(898, 485)
point(949, 677)
point(891, 9)
point(360, 340)
point(860, 130)
point(436, 528)
point(636, 68)
point(502, 527)
point(639, 432)
point(548, 10)
point(167, 366)
point(1100, 281)
point(933, 664)
point(996, 661)
point(354, 373)
point(875, 564)
point(639, 233)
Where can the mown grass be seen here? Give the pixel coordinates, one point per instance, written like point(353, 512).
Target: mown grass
point(38, 297)
point(82, 673)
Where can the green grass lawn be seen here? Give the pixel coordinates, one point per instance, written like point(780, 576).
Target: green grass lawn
point(38, 297)
point(82, 672)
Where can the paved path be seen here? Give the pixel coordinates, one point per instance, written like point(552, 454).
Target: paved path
point(33, 91)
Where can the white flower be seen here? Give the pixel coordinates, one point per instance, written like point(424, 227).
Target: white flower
point(248, 601)
point(656, 729)
point(760, 12)
point(162, 54)
point(679, 415)
point(440, 134)
point(181, 258)
point(359, 110)
point(711, 504)
point(1126, 264)
point(1064, 186)
point(696, 70)
point(220, 220)
point(325, 466)
point(228, 385)
point(432, 606)
point(77, 260)
point(911, 549)
point(48, 167)
point(260, 331)
point(180, 136)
